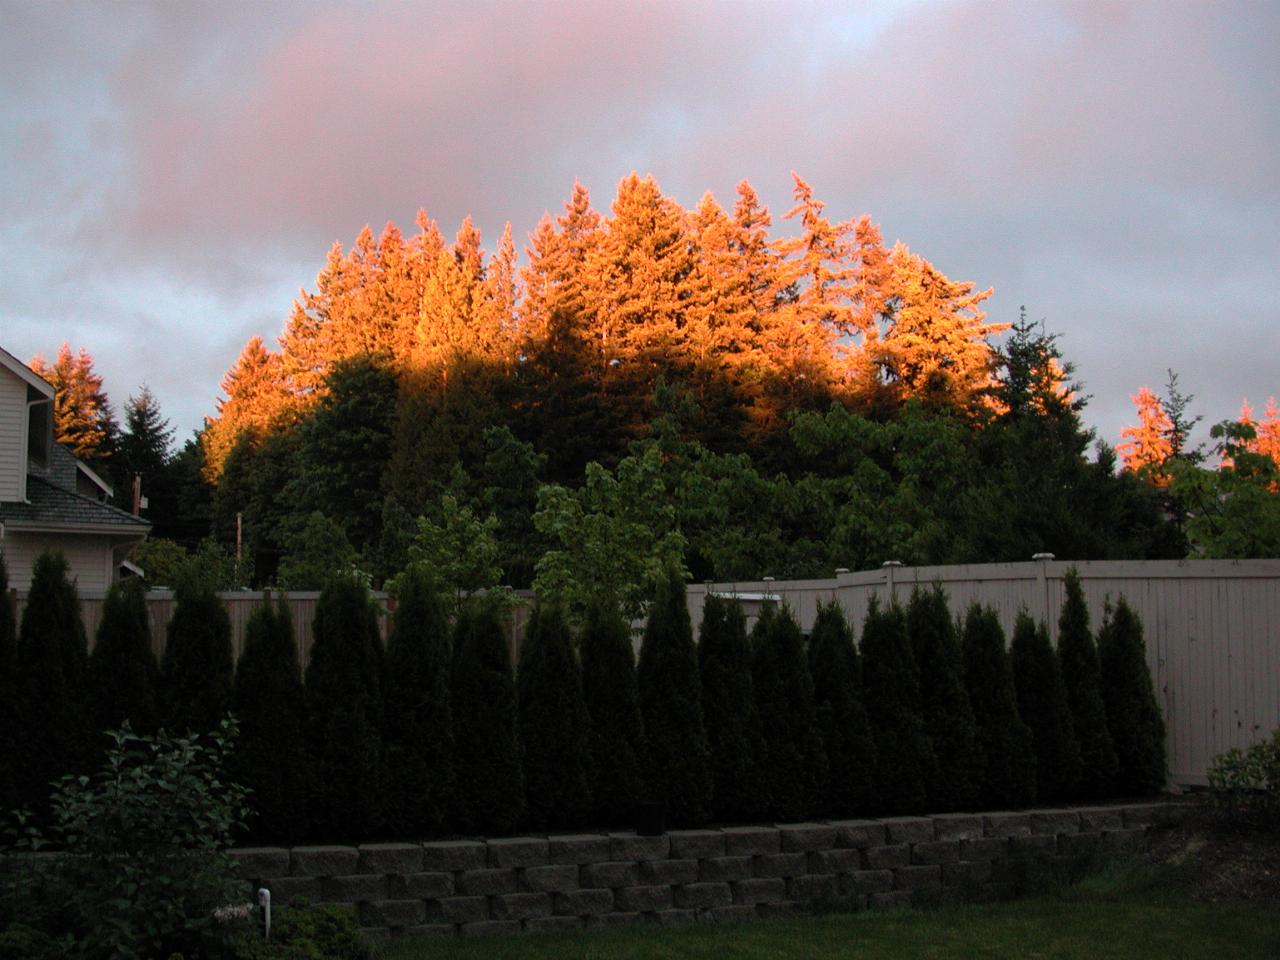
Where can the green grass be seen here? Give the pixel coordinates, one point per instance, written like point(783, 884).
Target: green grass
point(1117, 915)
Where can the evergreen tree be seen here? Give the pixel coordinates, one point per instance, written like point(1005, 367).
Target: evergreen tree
point(271, 752)
point(10, 772)
point(489, 791)
point(124, 679)
point(892, 694)
point(1009, 776)
point(553, 724)
point(1081, 675)
point(793, 764)
point(957, 775)
point(52, 660)
point(729, 712)
point(842, 719)
point(345, 715)
point(197, 668)
point(1133, 715)
point(82, 417)
point(616, 742)
point(143, 451)
point(671, 706)
point(419, 730)
point(1042, 704)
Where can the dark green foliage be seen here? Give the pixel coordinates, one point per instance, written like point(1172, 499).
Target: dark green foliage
point(1133, 715)
point(52, 659)
point(1009, 778)
point(891, 693)
point(956, 776)
point(329, 931)
point(489, 793)
point(344, 715)
point(1082, 677)
point(793, 765)
point(616, 743)
point(419, 732)
point(729, 712)
point(1042, 704)
point(679, 774)
point(842, 719)
point(553, 723)
point(316, 551)
point(197, 666)
point(124, 679)
point(271, 755)
point(10, 797)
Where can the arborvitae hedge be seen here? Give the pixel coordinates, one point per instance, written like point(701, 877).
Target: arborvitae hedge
point(1010, 764)
point(1081, 675)
point(197, 668)
point(345, 715)
point(1133, 715)
point(124, 678)
point(9, 779)
point(616, 742)
point(271, 756)
point(892, 695)
point(54, 736)
point(419, 708)
point(956, 778)
point(842, 720)
point(1042, 704)
point(729, 711)
point(488, 795)
point(553, 724)
point(679, 773)
point(793, 761)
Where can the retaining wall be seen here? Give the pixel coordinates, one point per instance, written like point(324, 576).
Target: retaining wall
point(569, 882)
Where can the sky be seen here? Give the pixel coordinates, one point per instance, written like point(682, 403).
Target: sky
point(172, 174)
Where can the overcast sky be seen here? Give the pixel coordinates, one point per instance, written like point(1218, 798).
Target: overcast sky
point(172, 173)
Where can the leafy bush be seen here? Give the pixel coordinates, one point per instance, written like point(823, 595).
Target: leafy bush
point(305, 932)
point(1245, 784)
point(1042, 704)
point(729, 711)
point(616, 742)
point(841, 716)
point(197, 667)
point(1133, 715)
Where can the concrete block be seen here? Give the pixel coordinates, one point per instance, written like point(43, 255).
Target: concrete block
point(393, 913)
point(998, 891)
point(966, 873)
point(669, 871)
point(696, 844)
point(550, 878)
point(1154, 814)
point(490, 928)
point(432, 931)
point(398, 858)
point(630, 846)
point(552, 924)
point(520, 906)
point(760, 890)
point(1080, 844)
point(882, 858)
point(864, 882)
point(782, 910)
point(675, 918)
point(835, 861)
point(376, 934)
point(444, 855)
point(703, 895)
point(890, 900)
point(324, 861)
point(425, 886)
point(781, 865)
point(909, 829)
point(988, 848)
point(749, 841)
point(1007, 824)
point(464, 909)
point(578, 848)
point(256, 863)
point(1036, 845)
point(581, 903)
point(518, 852)
point(1124, 841)
point(812, 888)
point(804, 837)
point(643, 898)
point(610, 874)
point(735, 913)
point(1097, 819)
point(1056, 822)
point(936, 851)
point(957, 826)
point(726, 868)
point(478, 883)
point(857, 834)
point(362, 886)
point(917, 878)
point(611, 921)
point(284, 889)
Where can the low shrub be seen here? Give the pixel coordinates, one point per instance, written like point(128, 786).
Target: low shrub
point(1245, 784)
point(305, 932)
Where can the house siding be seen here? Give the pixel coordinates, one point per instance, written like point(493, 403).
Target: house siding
point(13, 437)
point(89, 557)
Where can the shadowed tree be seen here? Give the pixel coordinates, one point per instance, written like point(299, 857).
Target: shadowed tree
point(616, 742)
point(196, 669)
point(10, 773)
point(1042, 704)
point(1133, 715)
point(1081, 675)
point(124, 678)
point(729, 712)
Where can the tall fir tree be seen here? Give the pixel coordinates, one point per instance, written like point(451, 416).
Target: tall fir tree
point(124, 678)
point(197, 669)
point(553, 723)
point(345, 715)
point(10, 773)
point(271, 754)
point(616, 741)
point(1133, 715)
point(419, 707)
point(82, 417)
point(1148, 447)
point(144, 451)
point(489, 793)
point(957, 775)
point(892, 694)
point(1082, 677)
point(1042, 704)
point(1009, 774)
point(679, 774)
point(842, 719)
point(729, 712)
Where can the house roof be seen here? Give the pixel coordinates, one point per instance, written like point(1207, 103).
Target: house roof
point(52, 507)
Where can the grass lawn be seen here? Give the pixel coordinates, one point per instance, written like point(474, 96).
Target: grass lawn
point(1112, 916)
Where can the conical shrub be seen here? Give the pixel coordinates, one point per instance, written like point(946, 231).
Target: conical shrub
point(488, 793)
point(1133, 715)
point(419, 708)
point(345, 715)
point(124, 678)
point(1009, 776)
point(729, 711)
point(271, 753)
point(197, 668)
point(679, 774)
point(793, 763)
point(553, 724)
point(1042, 704)
point(616, 741)
point(849, 790)
point(10, 775)
point(956, 776)
point(1081, 675)
point(892, 695)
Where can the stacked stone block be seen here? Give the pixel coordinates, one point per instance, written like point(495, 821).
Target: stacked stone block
point(538, 884)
